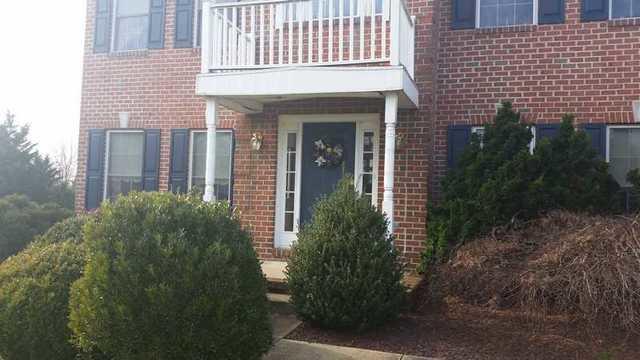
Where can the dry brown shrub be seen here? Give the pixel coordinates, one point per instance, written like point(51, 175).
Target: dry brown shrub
point(584, 266)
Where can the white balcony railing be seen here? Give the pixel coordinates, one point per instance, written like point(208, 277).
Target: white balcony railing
point(273, 33)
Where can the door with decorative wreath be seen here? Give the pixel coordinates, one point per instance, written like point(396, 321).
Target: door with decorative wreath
point(314, 153)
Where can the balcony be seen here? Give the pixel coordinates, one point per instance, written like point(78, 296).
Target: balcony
point(255, 52)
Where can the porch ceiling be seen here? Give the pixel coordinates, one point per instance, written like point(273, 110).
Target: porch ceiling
point(247, 91)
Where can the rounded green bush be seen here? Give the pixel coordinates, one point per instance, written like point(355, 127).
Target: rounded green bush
point(34, 297)
point(344, 271)
point(21, 220)
point(170, 277)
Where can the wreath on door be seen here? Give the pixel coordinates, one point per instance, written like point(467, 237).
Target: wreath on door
point(327, 154)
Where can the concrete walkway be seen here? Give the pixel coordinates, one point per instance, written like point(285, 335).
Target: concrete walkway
point(300, 350)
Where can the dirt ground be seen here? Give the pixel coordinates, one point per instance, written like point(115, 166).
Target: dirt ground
point(453, 330)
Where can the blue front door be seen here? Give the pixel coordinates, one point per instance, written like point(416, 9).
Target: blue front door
point(320, 178)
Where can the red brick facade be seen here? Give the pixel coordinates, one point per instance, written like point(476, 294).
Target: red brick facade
point(590, 69)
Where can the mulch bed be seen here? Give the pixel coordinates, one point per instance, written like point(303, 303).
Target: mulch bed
point(454, 330)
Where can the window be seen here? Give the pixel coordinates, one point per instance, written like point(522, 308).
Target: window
point(368, 165)
point(131, 25)
point(290, 178)
point(624, 152)
point(198, 158)
point(125, 154)
point(497, 13)
point(621, 9)
point(479, 131)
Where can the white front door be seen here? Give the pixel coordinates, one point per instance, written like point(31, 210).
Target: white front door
point(290, 157)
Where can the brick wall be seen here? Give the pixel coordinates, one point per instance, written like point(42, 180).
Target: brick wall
point(589, 69)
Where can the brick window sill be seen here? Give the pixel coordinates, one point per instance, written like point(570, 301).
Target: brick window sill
point(624, 22)
point(506, 29)
point(129, 53)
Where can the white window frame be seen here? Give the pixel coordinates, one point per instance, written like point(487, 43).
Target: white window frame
point(534, 22)
point(288, 124)
point(608, 142)
point(190, 172)
point(107, 149)
point(114, 20)
point(620, 18)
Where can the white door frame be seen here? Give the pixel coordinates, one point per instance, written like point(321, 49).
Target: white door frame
point(287, 124)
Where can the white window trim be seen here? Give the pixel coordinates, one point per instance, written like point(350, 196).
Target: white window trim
point(535, 17)
point(106, 157)
point(190, 172)
point(294, 124)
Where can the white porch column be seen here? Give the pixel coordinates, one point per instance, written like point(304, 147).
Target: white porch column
point(210, 168)
point(390, 118)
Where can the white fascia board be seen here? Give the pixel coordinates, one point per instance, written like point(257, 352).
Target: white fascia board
point(304, 80)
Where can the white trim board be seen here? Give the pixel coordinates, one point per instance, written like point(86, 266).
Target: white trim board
point(286, 83)
point(288, 124)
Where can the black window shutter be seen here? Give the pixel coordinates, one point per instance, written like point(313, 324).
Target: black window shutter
point(463, 14)
point(156, 25)
point(458, 137)
point(151, 166)
point(179, 171)
point(102, 27)
point(95, 169)
point(551, 11)
point(546, 131)
point(598, 135)
point(595, 10)
point(184, 23)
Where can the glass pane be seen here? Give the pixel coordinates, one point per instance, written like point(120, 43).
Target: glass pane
point(368, 163)
point(123, 185)
point(198, 183)
point(635, 8)
point(621, 8)
point(288, 222)
point(291, 182)
point(291, 142)
point(488, 16)
point(132, 33)
point(199, 154)
point(133, 7)
point(291, 163)
point(289, 203)
point(126, 154)
point(506, 15)
point(618, 143)
point(368, 141)
point(223, 155)
point(618, 167)
point(524, 14)
point(221, 188)
point(367, 184)
point(634, 142)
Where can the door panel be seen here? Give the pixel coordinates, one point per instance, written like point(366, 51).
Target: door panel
point(318, 181)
